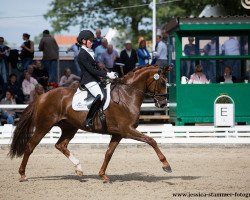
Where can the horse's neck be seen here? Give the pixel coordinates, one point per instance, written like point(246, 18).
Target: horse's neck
point(137, 83)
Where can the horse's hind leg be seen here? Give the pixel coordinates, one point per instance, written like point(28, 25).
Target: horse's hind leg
point(68, 132)
point(136, 135)
point(112, 146)
point(33, 142)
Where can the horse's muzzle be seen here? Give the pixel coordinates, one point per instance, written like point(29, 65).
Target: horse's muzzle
point(161, 103)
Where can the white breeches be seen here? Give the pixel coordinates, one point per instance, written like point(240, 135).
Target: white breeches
point(94, 89)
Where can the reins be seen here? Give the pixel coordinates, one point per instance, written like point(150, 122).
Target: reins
point(150, 94)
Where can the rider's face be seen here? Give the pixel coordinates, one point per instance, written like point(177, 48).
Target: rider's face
point(89, 43)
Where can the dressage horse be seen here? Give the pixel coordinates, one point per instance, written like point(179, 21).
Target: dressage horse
point(54, 108)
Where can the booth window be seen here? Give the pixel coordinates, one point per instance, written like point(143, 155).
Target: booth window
point(217, 56)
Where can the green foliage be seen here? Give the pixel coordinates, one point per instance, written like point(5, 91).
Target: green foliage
point(134, 15)
point(224, 99)
point(94, 14)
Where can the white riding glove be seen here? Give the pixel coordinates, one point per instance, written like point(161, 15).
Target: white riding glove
point(112, 75)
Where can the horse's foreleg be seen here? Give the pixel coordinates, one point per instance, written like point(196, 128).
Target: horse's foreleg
point(33, 142)
point(136, 135)
point(111, 148)
point(62, 144)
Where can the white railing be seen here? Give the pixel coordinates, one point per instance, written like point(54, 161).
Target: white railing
point(13, 106)
point(164, 133)
point(23, 106)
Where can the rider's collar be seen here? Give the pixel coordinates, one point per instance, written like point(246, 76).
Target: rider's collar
point(87, 49)
point(90, 51)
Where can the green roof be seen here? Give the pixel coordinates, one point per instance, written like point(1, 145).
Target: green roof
point(209, 23)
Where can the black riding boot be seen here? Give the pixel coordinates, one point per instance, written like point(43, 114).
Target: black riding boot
point(92, 111)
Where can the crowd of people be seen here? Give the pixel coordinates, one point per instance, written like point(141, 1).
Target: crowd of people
point(212, 70)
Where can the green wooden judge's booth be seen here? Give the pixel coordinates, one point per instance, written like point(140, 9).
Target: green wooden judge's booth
point(194, 103)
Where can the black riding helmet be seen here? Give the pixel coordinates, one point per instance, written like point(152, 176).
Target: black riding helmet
point(85, 35)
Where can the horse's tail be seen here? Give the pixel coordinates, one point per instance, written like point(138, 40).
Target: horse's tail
point(23, 132)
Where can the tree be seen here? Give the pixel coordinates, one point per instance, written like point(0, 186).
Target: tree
point(100, 14)
point(133, 14)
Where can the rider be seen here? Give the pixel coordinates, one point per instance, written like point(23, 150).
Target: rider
point(91, 73)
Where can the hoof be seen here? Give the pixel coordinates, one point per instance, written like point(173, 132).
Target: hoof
point(105, 179)
point(167, 169)
point(23, 179)
point(79, 173)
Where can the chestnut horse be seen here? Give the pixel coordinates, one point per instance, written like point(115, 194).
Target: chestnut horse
point(54, 108)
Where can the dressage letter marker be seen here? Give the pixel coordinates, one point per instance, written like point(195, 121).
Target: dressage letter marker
point(224, 115)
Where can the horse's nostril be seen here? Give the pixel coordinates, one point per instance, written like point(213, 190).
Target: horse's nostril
point(163, 105)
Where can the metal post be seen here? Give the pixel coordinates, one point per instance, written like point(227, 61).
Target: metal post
point(154, 25)
point(58, 69)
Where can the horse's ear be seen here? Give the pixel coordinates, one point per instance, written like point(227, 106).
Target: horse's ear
point(168, 68)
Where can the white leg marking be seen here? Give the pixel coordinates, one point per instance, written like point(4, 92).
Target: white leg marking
point(76, 162)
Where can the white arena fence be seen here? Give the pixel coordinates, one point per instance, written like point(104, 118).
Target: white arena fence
point(162, 133)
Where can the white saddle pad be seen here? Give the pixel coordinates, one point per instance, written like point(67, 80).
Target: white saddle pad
point(79, 102)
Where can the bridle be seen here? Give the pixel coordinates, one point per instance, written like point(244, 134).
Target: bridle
point(154, 94)
point(157, 77)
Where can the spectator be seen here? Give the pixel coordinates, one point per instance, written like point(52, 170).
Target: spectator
point(165, 37)
point(231, 47)
point(189, 50)
point(36, 92)
point(15, 89)
point(76, 49)
point(30, 70)
point(40, 74)
point(50, 49)
point(101, 49)
point(210, 65)
point(28, 85)
point(154, 59)
point(198, 77)
point(108, 58)
point(68, 78)
point(161, 52)
point(227, 77)
point(128, 57)
point(27, 52)
point(13, 58)
point(143, 54)
point(4, 52)
point(8, 114)
point(97, 40)
point(1, 86)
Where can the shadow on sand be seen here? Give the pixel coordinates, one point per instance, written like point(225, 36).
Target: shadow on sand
point(143, 177)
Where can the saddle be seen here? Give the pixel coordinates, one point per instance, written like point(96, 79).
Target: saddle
point(83, 99)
